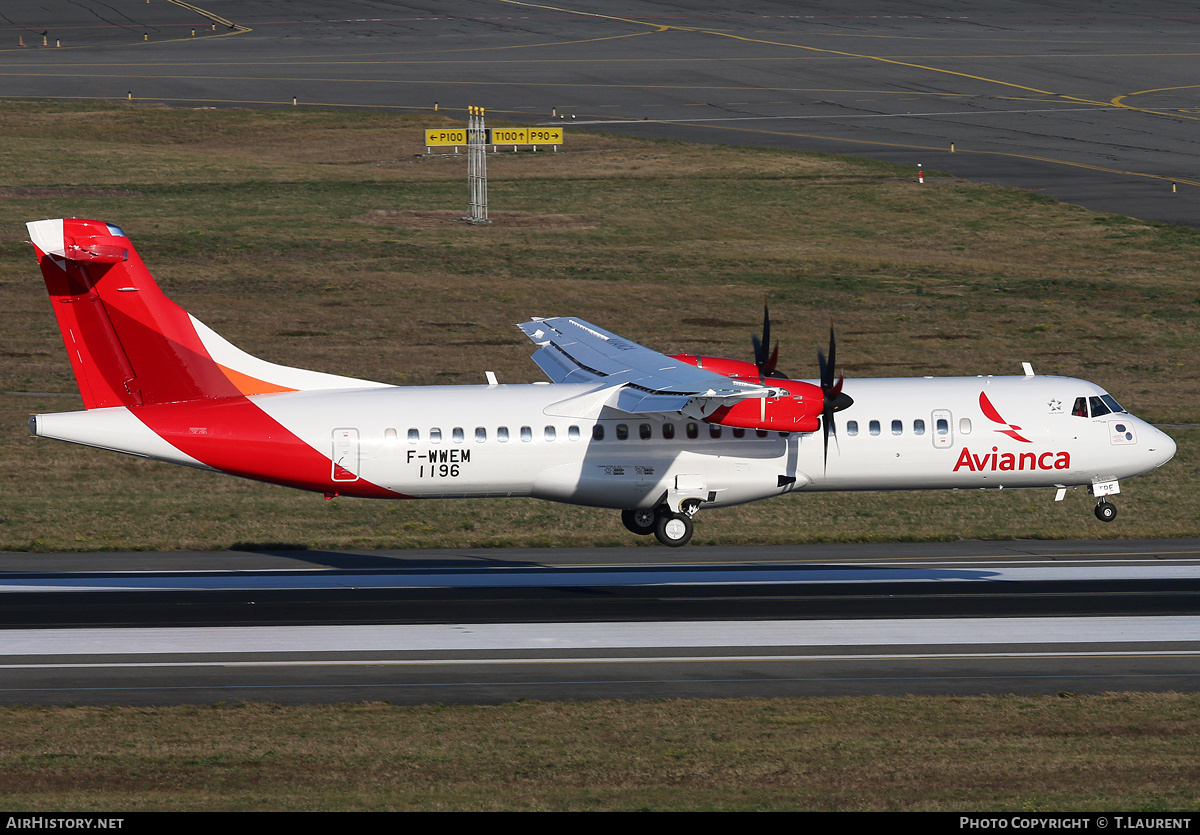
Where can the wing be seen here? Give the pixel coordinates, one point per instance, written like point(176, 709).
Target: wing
point(574, 351)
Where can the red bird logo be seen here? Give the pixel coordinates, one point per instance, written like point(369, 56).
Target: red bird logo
point(991, 414)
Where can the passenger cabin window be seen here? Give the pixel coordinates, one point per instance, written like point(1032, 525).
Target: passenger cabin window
point(943, 426)
point(597, 432)
point(964, 426)
point(714, 430)
point(389, 436)
point(456, 434)
point(573, 433)
point(897, 427)
point(668, 430)
point(918, 427)
point(622, 432)
point(852, 427)
point(414, 436)
point(644, 431)
point(480, 434)
point(874, 427)
point(502, 434)
point(526, 434)
point(435, 436)
point(739, 433)
point(550, 434)
point(693, 430)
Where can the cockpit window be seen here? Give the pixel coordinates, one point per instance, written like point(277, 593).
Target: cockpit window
point(1099, 407)
point(1112, 403)
point(1104, 404)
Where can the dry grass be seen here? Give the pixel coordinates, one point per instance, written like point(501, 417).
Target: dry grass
point(325, 241)
point(1132, 752)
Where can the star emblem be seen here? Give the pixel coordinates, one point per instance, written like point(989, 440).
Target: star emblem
point(1055, 406)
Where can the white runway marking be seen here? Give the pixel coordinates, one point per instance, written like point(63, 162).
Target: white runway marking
point(594, 636)
point(606, 659)
point(835, 116)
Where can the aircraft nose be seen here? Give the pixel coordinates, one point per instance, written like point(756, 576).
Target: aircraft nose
point(1162, 446)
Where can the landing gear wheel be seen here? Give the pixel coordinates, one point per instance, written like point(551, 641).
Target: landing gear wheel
point(1106, 511)
point(674, 529)
point(640, 521)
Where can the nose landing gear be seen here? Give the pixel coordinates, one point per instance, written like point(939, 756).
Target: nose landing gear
point(1106, 511)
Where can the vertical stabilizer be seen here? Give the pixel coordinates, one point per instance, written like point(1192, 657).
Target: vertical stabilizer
point(129, 344)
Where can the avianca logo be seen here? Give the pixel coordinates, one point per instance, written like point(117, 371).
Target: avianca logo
point(996, 461)
point(991, 414)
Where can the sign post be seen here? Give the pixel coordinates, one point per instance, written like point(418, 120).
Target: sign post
point(477, 167)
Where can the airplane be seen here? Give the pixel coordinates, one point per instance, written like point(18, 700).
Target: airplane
point(617, 426)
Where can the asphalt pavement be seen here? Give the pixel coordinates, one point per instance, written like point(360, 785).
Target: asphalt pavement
point(1095, 105)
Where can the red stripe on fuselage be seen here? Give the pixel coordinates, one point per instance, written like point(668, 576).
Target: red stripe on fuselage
point(233, 435)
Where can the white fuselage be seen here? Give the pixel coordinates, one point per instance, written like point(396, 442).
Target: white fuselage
point(560, 442)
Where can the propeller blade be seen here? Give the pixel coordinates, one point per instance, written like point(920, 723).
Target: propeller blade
point(766, 337)
point(772, 361)
point(764, 361)
point(831, 392)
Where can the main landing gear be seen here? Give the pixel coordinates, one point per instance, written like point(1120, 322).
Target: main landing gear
point(670, 528)
point(1106, 511)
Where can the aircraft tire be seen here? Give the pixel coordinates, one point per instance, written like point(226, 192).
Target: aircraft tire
point(640, 521)
point(1106, 511)
point(674, 529)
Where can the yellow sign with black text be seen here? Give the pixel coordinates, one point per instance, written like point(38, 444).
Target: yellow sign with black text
point(545, 136)
point(525, 136)
point(498, 136)
point(455, 136)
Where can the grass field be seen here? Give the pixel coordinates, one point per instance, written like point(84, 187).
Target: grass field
point(329, 241)
point(1128, 752)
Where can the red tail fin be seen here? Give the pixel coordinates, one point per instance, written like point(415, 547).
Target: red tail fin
point(129, 344)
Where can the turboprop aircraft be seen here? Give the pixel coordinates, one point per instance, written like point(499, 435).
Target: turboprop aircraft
point(619, 426)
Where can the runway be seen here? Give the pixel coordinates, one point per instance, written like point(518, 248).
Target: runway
point(484, 626)
point(1088, 105)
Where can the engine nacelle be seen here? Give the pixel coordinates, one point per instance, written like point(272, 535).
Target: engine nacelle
point(738, 369)
point(800, 411)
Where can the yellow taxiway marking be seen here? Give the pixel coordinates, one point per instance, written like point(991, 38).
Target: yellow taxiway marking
point(856, 55)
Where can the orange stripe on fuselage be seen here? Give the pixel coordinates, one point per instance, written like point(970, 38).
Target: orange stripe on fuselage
point(248, 385)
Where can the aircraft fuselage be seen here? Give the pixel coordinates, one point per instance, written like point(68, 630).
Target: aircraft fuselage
point(559, 442)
